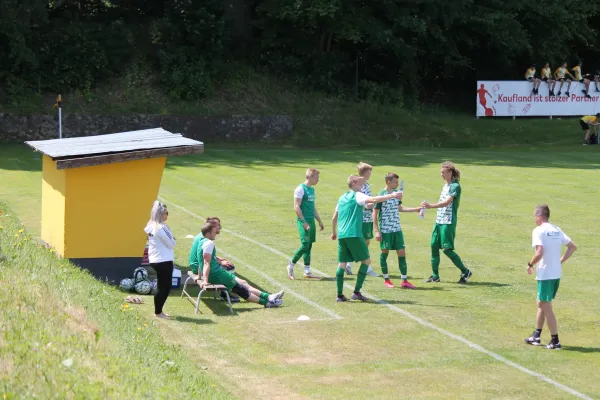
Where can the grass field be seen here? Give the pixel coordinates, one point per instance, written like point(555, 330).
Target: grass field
point(441, 341)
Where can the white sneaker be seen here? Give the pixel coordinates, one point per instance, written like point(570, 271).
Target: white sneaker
point(310, 275)
point(276, 296)
point(349, 269)
point(274, 303)
point(290, 271)
point(371, 272)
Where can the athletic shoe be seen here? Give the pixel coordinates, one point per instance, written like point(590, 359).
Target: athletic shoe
point(359, 296)
point(567, 94)
point(349, 269)
point(388, 283)
point(341, 299)
point(558, 93)
point(370, 272)
point(290, 270)
point(274, 304)
point(276, 296)
point(232, 297)
point(465, 277)
point(432, 279)
point(532, 340)
point(407, 285)
point(309, 275)
point(553, 346)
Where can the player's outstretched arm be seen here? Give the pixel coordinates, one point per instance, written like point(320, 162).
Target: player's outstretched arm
point(571, 247)
point(408, 209)
point(438, 205)
point(381, 199)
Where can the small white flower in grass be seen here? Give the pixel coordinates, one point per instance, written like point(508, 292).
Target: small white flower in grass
point(169, 363)
point(68, 362)
point(303, 318)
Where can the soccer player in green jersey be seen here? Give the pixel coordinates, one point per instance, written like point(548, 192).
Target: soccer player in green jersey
point(389, 232)
point(203, 262)
point(364, 171)
point(444, 229)
point(352, 246)
point(306, 212)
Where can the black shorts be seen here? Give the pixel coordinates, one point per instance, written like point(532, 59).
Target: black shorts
point(560, 79)
point(545, 79)
point(530, 79)
point(584, 125)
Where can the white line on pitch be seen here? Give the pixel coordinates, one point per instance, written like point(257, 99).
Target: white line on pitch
point(413, 317)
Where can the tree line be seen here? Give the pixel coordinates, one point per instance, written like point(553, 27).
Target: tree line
point(383, 50)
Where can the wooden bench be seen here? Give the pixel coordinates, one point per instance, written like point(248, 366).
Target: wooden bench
point(192, 278)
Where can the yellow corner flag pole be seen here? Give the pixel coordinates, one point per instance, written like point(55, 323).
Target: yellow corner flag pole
point(58, 105)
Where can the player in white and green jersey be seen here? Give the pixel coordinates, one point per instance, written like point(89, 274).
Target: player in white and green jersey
point(389, 232)
point(352, 246)
point(364, 171)
point(306, 214)
point(444, 229)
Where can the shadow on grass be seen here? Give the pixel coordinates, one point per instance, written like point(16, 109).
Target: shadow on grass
point(260, 157)
point(487, 284)
point(328, 279)
point(22, 158)
point(581, 349)
point(198, 320)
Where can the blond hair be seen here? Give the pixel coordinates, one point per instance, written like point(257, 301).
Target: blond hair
point(311, 172)
point(451, 167)
point(352, 179)
point(363, 167)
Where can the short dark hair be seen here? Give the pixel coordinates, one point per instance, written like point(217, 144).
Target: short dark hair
point(542, 211)
point(390, 176)
point(211, 219)
point(207, 227)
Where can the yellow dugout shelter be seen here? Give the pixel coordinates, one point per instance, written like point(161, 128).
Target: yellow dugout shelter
point(97, 193)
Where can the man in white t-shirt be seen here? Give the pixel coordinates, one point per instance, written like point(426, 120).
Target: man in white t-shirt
point(547, 240)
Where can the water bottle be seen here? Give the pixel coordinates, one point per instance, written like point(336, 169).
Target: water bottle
point(401, 188)
point(422, 212)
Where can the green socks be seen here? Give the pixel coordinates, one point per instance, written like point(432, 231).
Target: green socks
point(307, 253)
point(263, 299)
point(304, 250)
point(360, 277)
point(339, 280)
point(403, 267)
point(456, 260)
point(383, 261)
point(435, 262)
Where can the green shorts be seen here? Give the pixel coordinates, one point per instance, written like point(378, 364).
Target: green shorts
point(442, 236)
point(311, 235)
point(392, 241)
point(547, 289)
point(352, 250)
point(367, 230)
point(222, 277)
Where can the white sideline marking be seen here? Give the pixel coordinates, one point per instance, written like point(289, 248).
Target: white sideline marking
point(411, 316)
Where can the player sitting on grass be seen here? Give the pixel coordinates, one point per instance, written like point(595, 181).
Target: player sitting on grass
point(389, 232)
point(547, 240)
point(585, 123)
point(306, 213)
point(204, 263)
point(352, 246)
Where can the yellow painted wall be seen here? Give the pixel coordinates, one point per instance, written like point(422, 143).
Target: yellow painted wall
point(53, 205)
point(108, 206)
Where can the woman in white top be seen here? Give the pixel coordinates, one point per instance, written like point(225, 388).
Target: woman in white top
point(161, 245)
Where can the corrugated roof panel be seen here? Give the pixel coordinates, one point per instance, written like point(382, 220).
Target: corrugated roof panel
point(156, 138)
